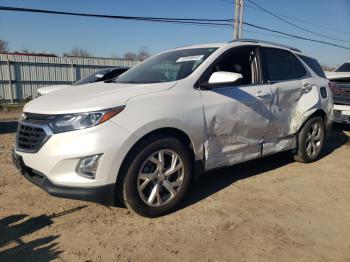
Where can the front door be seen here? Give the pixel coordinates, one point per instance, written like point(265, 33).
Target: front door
point(236, 115)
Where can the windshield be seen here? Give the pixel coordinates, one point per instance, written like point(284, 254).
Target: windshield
point(95, 77)
point(166, 67)
point(343, 68)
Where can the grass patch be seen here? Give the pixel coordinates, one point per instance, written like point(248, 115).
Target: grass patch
point(11, 107)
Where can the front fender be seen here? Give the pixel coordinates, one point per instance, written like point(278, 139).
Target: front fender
point(192, 133)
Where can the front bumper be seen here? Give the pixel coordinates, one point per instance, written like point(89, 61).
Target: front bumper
point(59, 156)
point(99, 194)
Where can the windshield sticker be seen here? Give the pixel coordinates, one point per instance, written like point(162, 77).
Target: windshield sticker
point(189, 58)
point(98, 75)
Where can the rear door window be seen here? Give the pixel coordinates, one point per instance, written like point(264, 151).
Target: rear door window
point(282, 65)
point(313, 64)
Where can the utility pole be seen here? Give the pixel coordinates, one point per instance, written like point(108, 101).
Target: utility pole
point(238, 20)
point(241, 19)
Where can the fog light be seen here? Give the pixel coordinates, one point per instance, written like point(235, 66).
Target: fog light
point(87, 166)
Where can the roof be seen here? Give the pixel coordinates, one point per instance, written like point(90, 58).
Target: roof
point(255, 41)
point(213, 45)
point(265, 43)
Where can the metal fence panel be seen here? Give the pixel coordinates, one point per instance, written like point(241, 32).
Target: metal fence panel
point(22, 75)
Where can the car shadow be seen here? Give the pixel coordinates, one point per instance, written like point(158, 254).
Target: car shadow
point(7, 127)
point(13, 228)
point(213, 181)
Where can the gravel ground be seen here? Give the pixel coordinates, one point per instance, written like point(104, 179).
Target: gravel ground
point(10, 115)
point(270, 209)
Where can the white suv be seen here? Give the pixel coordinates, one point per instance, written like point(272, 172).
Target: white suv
point(141, 139)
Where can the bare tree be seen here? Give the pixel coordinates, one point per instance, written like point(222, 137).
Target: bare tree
point(76, 51)
point(3, 46)
point(141, 55)
point(327, 68)
point(130, 56)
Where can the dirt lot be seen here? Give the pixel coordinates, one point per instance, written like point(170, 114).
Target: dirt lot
point(270, 209)
point(10, 115)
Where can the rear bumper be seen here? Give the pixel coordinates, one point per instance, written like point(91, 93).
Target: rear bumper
point(342, 114)
point(99, 194)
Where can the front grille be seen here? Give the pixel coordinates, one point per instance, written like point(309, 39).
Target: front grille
point(341, 100)
point(341, 93)
point(30, 138)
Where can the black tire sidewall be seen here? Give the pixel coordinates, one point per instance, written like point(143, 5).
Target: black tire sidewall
point(130, 193)
point(302, 138)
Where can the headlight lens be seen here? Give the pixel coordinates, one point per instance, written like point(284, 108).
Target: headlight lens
point(70, 122)
point(22, 117)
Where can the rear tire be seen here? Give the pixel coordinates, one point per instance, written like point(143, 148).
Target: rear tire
point(310, 140)
point(158, 177)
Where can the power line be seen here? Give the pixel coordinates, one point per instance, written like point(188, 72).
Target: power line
point(266, 34)
point(296, 36)
point(187, 21)
point(18, 9)
point(313, 24)
point(292, 24)
point(248, 5)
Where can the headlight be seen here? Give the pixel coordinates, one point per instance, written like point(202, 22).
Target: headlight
point(70, 122)
point(22, 117)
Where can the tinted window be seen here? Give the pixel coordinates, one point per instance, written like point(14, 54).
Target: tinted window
point(114, 73)
point(343, 68)
point(313, 64)
point(95, 77)
point(282, 65)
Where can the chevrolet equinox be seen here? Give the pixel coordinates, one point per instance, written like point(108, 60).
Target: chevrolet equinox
point(142, 138)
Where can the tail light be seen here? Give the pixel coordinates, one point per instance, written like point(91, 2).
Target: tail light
point(333, 87)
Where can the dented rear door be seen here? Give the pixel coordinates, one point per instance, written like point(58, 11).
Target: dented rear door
point(293, 91)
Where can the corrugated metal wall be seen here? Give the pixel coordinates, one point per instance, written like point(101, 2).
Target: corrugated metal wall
point(21, 76)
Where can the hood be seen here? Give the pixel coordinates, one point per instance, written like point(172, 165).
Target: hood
point(334, 75)
point(90, 97)
point(48, 89)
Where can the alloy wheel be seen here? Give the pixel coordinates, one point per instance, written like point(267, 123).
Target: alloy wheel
point(160, 177)
point(313, 139)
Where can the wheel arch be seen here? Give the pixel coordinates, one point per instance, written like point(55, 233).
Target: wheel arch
point(300, 153)
point(314, 113)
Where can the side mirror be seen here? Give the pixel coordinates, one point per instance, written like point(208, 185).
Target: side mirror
point(224, 77)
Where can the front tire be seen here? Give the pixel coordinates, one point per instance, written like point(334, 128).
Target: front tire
point(311, 140)
point(158, 177)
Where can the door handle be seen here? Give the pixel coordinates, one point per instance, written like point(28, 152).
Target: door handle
point(306, 87)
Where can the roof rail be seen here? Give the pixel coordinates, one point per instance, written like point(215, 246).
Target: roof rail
point(264, 42)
